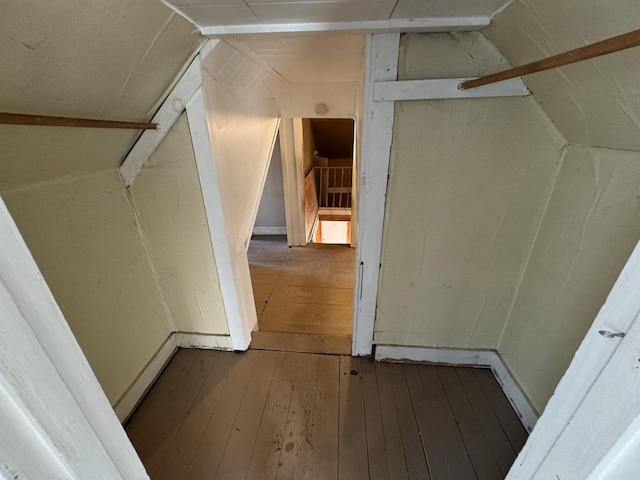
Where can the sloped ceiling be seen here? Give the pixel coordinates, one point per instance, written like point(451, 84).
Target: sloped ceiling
point(110, 60)
point(596, 102)
point(207, 13)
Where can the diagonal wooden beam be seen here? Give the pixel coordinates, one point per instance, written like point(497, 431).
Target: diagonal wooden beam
point(47, 121)
point(604, 47)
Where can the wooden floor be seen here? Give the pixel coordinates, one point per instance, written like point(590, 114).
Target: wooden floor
point(266, 415)
point(302, 289)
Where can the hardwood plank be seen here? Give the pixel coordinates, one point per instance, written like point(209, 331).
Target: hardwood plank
point(295, 455)
point(268, 444)
point(208, 454)
point(378, 467)
point(177, 460)
point(497, 440)
point(301, 318)
point(484, 464)
point(352, 439)
point(413, 449)
point(170, 400)
point(301, 342)
point(237, 455)
point(391, 424)
point(445, 449)
point(507, 417)
point(323, 461)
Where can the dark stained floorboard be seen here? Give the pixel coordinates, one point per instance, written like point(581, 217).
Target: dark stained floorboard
point(268, 415)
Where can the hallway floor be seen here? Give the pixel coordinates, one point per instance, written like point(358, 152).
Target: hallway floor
point(266, 415)
point(302, 289)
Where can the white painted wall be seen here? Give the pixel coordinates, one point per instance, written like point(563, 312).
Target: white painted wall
point(271, 210)
point(243, 124)
point(468, 184)
point(85, 238)
point(590, 227)
point(173, 228)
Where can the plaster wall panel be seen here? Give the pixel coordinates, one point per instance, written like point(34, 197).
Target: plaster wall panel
point(108, 60)
point(591, 226)
point(468, 184)
point(595, 102)
point(167, 197)
point(85, 239)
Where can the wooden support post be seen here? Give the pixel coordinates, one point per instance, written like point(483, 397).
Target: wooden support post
point(45, 121)
point(615, 44)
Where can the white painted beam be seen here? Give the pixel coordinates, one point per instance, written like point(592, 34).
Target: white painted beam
point(239, 331)
point(173, 106)
point(445, 88)
point(377, 131)
point(453, 24)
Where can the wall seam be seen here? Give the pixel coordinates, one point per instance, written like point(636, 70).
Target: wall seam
point(563, 154)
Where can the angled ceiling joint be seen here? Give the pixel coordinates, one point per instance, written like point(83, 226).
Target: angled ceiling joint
point(168, 113)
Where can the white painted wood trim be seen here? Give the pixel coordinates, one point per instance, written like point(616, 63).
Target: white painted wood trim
point(462, 357)
point(128, 402)
point(616, 315)
point(445, 88)
point(166, 116)
point(205, 341)
point(452, 24)
point(63, 423)
point(239, 331)
point(273, 230)
point(293, 194)
point(377, 131)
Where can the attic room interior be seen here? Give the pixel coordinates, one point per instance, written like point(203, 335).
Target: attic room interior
point(492, 227)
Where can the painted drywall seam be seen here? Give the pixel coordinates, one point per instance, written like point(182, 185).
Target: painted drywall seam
point(501, 9)
point(525, 267)
point(144, 242)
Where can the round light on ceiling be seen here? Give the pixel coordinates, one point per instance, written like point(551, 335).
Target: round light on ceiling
point(321, 108)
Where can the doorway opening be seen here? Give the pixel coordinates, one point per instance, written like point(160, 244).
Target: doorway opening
point(308, 288)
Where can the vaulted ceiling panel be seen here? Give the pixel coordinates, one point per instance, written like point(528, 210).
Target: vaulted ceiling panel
point(109, 60)
point(595, 102)
point(446, 8)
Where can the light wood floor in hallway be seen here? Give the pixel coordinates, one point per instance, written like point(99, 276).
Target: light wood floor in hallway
point(302, 289)
point(282, 415)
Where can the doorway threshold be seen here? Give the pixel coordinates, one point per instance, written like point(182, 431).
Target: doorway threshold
point(301, 342)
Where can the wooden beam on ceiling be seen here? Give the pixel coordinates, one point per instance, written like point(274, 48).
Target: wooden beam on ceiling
point(371, 26)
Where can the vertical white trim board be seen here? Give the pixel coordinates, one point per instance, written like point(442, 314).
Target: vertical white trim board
point(377, 132)
point(461, 357)
point(239, 329)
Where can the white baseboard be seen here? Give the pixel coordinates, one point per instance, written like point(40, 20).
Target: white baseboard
point(461, 357)
point(270, 230)
point(202, 340)
point(125, 406)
